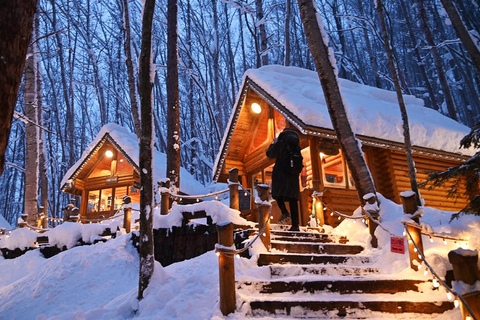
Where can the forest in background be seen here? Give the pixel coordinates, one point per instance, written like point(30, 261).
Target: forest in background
point(80, 57)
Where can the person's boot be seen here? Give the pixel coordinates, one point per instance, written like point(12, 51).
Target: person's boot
point(294, 228)
point(284, 219)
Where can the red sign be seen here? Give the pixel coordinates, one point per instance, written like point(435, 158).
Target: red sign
point(397, 245)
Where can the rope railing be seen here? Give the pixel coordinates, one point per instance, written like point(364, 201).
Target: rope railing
point(437, 277)
point(208, 195)
point(116, 215)
point(333, 211)
point(233, 252)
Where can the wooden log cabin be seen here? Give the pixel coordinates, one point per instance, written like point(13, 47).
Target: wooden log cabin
point(108, 170)
point(290, 96)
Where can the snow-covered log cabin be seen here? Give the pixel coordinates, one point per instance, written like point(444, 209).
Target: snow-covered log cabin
point(109, 169)
point(290, 96)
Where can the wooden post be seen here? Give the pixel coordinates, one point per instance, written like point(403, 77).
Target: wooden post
point(41, 217)
point(372, 224)
point(465, 269)
point(409, 200)
point(234, 198)
point(164, 197)
point(127, 214)
point(263, 214)
point(23, 223)
point(319, 212)
point(226, 269)
point(45, 218)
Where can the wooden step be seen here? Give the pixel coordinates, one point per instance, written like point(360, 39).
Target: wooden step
point(299, 270)
point(316, 248)
point(347, 308)
point(284, 258)
point(307, 237)
point(339, 286)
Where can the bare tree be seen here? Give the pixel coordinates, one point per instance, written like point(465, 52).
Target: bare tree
point(173, 106)
point(401, 102)
point(327, 74)
point(437, 60)
point(462, 32)
point(16, 24)
point(146, 151)
point(132, 82)
point(31, 135)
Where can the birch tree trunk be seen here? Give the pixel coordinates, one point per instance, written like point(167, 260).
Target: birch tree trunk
point(31, 135)
point(401, 102)
point(146, 151)
point(316, 35)
point(472, 48)
point(132, 83)
point(287, 32)
point(42, 161)
point(263, 32)
point(18, 16)
point(173, 107)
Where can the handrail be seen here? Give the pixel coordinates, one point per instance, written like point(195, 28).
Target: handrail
point(432, 271)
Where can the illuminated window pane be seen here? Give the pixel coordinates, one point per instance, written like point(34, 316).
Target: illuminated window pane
point(106, 200)
point(333, 172)
point(119, 194)
point(93, 197)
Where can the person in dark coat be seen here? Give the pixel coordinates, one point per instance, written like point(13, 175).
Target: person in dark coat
point(285, 186)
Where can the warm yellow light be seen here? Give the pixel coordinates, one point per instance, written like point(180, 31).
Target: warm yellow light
point(256, 108)
point(109, 153)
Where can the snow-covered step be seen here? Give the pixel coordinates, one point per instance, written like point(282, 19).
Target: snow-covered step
point(354, 306)
point(342, 286)
point(307, 237)
point(285, 258)
point(320, 270)
point(284, 227)
point(315, 248)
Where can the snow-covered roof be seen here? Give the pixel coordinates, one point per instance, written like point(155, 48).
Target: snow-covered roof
point(373, 113)
point(4, 223)
point(128, 144)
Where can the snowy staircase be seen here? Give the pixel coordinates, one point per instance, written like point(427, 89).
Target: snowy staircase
point(316, 275)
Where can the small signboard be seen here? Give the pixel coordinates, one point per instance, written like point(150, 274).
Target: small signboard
point(244, 200)
point(397, 245)
point(111, 180)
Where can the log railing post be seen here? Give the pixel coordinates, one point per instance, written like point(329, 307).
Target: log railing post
point(226, 269)
point(45, 218)
point(409, 200)
point(164, 197)
point(465, 269)
point(318, 205)
point(263, 213)
point(372, 224)
point(23, 223)
point(127, 213)
point(233, 186)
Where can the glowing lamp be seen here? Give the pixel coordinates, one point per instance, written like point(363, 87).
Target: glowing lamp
point(256, 108)
point(109, 153)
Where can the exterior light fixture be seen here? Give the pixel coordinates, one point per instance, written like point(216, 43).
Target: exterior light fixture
point(109, 153)
point(256, 108)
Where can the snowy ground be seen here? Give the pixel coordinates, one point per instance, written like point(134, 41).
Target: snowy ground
point(100, 281)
